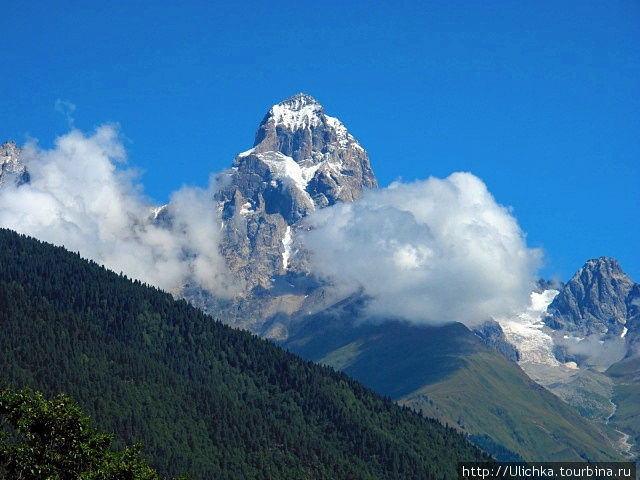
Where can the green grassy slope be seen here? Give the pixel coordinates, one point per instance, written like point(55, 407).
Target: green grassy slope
point(492, 395)
point(205, 399)
point(448, 373)
point(626, 396)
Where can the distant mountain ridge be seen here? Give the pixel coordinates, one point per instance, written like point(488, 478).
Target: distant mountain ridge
point(597, 319)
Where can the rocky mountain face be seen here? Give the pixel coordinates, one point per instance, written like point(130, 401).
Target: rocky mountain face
point(493, 336)
point(591, 321)
point(332, 165)
point(582, 341)
point(633, 319)
point(595, 301)
point(11, 167)
point(302, 159)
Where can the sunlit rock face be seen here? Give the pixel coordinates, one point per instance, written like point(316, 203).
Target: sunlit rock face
point(594, 301)
point(302, 160)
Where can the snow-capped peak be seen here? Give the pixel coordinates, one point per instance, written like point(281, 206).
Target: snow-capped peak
point(310, 158)
point(298, 112)
point(299, 101)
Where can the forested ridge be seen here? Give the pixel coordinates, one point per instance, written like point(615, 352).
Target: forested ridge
point(204, 399)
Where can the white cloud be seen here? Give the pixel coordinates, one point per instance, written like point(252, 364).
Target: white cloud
point(66, 108)
point(79, 198)
point(594, 350)
point(432, 251)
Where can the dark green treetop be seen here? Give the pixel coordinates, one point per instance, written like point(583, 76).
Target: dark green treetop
point(52, 438)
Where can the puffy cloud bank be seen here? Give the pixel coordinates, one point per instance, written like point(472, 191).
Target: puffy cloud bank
point(430, 252)
point(79, 197)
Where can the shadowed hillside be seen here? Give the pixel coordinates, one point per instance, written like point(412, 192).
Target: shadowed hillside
point(205, 399)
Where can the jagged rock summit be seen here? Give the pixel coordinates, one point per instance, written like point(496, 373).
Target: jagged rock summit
point(595, 301)
point(11, 165)
point(302, 159)
point(306, 160)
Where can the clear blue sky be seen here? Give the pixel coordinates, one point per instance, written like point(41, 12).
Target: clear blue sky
point(540, 99)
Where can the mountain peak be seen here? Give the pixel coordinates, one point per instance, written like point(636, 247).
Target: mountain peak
point(298, 101)
point(606, 265)
point(299, 128)
point(300, 112)
point(300, 149)
point(594, 300)
point(302, 159)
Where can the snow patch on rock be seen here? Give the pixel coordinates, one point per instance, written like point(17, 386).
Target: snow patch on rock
point(246, 208)
point(526, 331)
point(285, 169)
point(297, 113)
point(286, 243)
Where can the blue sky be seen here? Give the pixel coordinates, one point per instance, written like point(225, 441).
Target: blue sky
point(541, 100)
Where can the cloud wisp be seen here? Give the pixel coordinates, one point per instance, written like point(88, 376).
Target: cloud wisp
point(430, 252)
point(595, 350)
point(79, 197)
point(66, 108)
